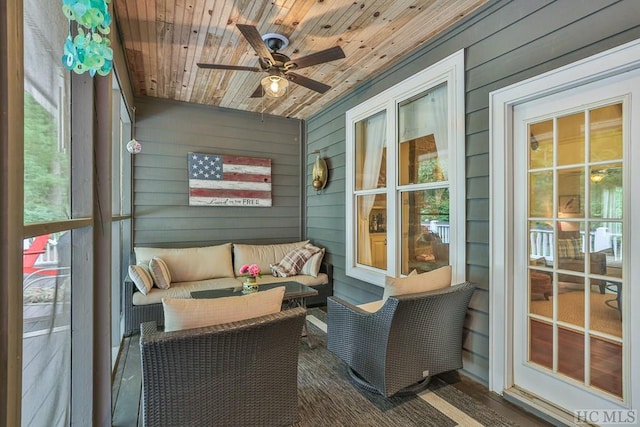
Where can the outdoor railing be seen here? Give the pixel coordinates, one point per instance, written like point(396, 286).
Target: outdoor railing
point(541, 242)
point(441, 229)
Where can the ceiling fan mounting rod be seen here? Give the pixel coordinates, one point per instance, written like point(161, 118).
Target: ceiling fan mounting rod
point(275, 41)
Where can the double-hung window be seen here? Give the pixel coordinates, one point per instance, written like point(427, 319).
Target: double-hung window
point(405, 198)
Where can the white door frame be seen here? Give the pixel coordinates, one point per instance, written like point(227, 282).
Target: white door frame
point(501, 102)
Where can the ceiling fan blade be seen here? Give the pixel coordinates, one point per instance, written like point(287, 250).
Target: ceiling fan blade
point(228, 67)
point(308, 83)
point(250, 32)
point(257, 93)
point(323, 56)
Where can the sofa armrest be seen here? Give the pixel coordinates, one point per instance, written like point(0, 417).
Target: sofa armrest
point(148, 329)
point(324, 290)
point(128, 289)
point(327, 268)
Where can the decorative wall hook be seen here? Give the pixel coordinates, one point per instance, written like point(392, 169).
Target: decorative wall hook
point(320, 172)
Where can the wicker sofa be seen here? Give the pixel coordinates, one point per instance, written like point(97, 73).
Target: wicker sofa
point(242, 373)
point(214, 267)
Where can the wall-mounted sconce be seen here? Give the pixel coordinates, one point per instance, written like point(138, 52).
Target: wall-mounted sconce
point(320, 172)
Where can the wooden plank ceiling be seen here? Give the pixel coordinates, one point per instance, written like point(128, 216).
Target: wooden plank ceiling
point(165, 39)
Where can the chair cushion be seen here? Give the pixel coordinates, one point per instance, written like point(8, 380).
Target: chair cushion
point(160, 273)
point(293, 261)
point(195, 313)
point(141, 277)
point(189, 264)
point(372, 306)
point(429, 281)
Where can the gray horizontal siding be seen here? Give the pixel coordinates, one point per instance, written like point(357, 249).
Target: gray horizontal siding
point(505, 42)
point(168, 131)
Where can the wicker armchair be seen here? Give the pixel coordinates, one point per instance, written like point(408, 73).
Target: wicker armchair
point(399, 347)
point(236, 374)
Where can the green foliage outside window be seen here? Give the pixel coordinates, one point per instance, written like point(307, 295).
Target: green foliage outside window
point(46, 168)
point(436, 203)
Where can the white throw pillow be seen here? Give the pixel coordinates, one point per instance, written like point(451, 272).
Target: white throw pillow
point(312, 267)
point(429, 281)
point(141, 277)
point(187, 313)
point(160, 273)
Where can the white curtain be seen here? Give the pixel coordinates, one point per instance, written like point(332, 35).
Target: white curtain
point(611, 235)
point(610, 201)
point(428, 116)
point(375, 137)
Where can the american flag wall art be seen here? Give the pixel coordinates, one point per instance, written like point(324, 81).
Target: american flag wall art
point(216, 180)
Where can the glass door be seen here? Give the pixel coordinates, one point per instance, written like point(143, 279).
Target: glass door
point(570, 227)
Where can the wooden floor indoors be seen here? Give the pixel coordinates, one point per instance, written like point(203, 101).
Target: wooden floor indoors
point(127, 383)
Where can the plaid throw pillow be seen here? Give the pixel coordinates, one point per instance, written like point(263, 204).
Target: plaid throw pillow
point(292, 262)
point(570, 248)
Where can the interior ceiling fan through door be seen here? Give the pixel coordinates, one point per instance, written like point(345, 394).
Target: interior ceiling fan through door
point(277, 64)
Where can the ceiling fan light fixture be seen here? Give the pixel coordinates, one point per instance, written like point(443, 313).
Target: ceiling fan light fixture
point(597, 175)
point(275, 86)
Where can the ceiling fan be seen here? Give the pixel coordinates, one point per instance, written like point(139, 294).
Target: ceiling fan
point(279, 66)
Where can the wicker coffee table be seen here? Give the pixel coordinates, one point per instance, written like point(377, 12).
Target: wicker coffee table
point(295, 294)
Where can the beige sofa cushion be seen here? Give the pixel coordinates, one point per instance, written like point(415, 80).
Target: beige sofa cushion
point(195, 313)
point(429, 281)
point(322, 279)
point(189, 264)
point(263, 255)
point(184, 289)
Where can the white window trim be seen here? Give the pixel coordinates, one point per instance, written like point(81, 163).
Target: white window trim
point(501, 103)
point(450, 70)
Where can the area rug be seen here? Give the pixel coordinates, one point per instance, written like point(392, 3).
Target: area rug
point(571, 310)
point(327, 397)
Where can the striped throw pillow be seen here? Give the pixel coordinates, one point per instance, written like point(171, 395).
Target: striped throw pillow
point(160, 272)
point(140, 276)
